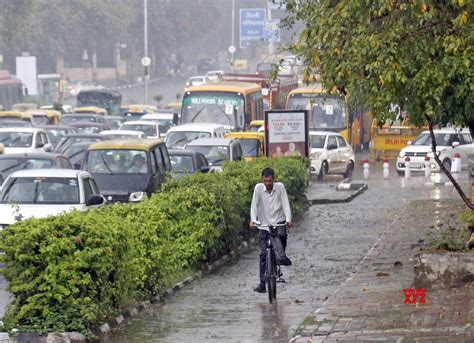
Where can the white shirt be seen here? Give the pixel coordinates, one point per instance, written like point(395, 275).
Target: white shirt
point(270, 208)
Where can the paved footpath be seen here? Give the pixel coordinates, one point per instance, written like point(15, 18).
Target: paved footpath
point(369, 304)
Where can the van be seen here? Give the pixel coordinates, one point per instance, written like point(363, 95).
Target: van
point(179, 136)
point(128, 170)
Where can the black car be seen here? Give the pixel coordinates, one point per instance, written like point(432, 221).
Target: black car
point(206, 64)
point(187, 162)
point(76, 152)
point(72, 138)
point(38, 160)
point(56, 132)
point(68, 119)
point(14, 123)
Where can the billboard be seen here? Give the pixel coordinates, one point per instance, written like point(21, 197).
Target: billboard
point(26, 72)
point(287, 133)
point(252, 25)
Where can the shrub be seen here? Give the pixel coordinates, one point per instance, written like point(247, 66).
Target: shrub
point(70, 272)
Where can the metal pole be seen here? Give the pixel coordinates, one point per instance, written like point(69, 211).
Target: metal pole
point(145, 36)
point(232, 39)
point(269, 18)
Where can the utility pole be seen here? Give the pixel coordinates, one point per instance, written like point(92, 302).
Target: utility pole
point(232, 50)
point(145, 38)
point(269, 18)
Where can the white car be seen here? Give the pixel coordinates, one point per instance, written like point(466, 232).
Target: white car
point(152, 129)
point(449, 141)
point(123, 134)
point(25, 140)
point(196, 81)
point(330, 154)
point(43, 192)
point(178, 136)
point(214, 75)
point(166, 120)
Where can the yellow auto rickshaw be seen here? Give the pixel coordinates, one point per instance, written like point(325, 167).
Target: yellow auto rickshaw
point(16, 115)
point(90, 109)
point(253, 143)
point(256, 126)
point(45, 117)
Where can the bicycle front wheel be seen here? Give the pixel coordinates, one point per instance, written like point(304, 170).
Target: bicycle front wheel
point(271, 276)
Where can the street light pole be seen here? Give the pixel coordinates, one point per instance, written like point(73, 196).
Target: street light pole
point(145, 38)
point(232, 39)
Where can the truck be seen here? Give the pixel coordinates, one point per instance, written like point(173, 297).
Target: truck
point(11, 90)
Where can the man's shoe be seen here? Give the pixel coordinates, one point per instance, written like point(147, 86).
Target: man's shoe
point(260, 289)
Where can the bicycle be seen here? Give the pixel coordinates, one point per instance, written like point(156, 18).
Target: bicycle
point(272, 270)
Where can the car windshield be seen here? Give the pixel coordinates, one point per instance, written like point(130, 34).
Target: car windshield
point(442, 139)
point(216, 155)
point(75, 119)
point(317, 141)
point(117, 161)
point(56, 134)
point(182, 164)
point(150, 130)
point(40, 190)
point(250, 147)
point(10, 165)
point(16, 139)
point(178, 139)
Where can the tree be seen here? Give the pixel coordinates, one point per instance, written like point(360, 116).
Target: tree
point(417, 54)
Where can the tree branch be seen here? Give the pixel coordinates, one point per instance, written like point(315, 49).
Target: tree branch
point(466, 200)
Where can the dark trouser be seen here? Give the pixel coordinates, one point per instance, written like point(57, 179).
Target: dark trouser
point(282, 234)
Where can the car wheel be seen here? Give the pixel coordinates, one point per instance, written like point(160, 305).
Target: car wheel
point(323, 171)
point(350, 168)
point(447, 164)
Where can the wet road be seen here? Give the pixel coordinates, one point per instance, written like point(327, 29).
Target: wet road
point(325, 246)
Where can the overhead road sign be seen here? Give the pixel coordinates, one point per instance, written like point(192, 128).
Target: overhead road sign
point(252, 26)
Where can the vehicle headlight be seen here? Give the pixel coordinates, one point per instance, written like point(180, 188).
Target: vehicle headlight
point(137, 196)
point(401, 154)
point(430, 154)
point(315, 155)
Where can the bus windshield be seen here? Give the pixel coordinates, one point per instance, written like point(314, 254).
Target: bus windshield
point(327, 112)
point(214, 107)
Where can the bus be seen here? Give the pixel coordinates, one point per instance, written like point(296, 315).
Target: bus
point(330, 112)
point(108, 99)
point(274, 92)
point(11, 91)
point(232, 104)
point(388, 139)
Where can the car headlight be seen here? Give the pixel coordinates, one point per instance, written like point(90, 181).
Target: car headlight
point(315, 155)
point(137, 196)
point(401, 154)
point(430, 154)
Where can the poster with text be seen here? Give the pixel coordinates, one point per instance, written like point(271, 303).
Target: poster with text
point(286, 133)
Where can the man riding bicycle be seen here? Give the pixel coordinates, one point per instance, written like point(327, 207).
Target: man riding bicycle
point(270, 206)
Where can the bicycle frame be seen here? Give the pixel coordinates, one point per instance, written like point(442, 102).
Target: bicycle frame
point(271, 269)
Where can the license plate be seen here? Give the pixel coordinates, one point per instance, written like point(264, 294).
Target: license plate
point(416, 165)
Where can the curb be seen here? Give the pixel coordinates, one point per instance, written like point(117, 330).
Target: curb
point(358, 187)
point(126, 315)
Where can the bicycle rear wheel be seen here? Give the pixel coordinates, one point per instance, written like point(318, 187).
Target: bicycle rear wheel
point(271, 276)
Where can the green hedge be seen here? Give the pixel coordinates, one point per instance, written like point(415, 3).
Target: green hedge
point(72, 271)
